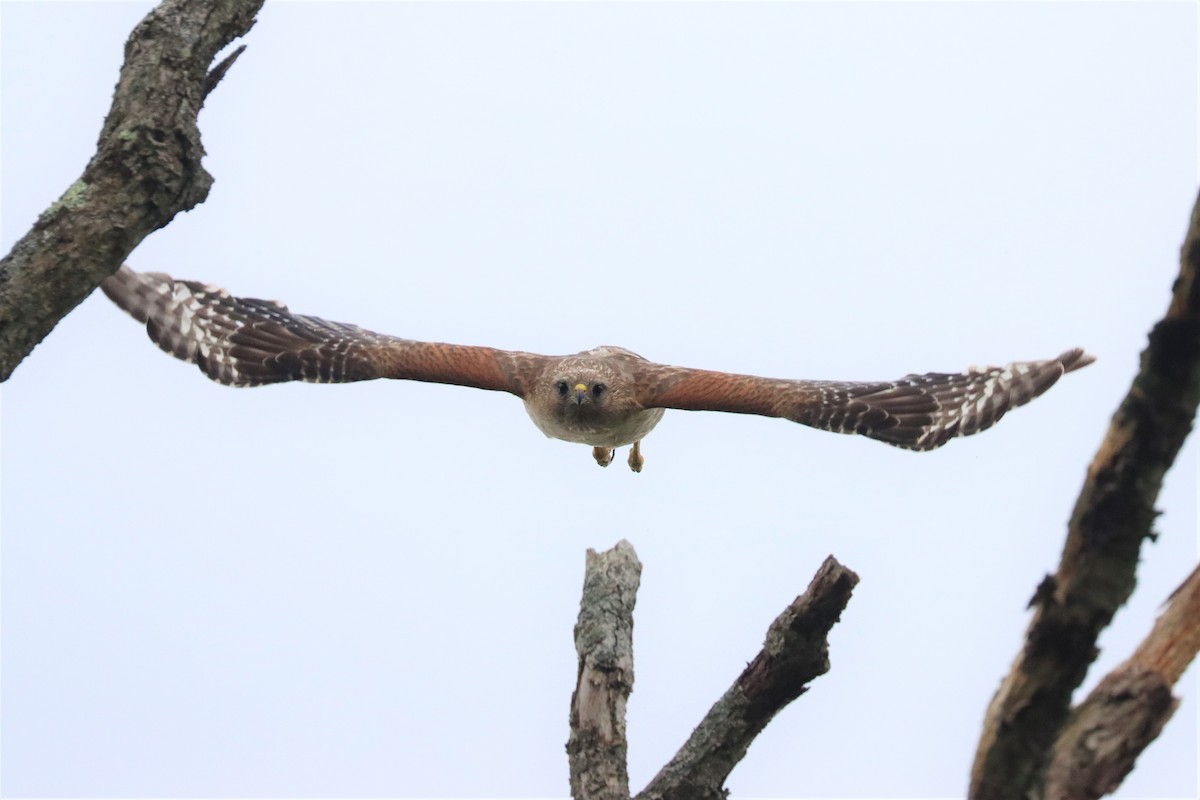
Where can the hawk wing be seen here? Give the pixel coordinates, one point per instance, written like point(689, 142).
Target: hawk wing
point(917, 412)
point(242, 341)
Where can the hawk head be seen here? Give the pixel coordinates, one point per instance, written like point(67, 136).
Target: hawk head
point(590, 398)
point(581, 390)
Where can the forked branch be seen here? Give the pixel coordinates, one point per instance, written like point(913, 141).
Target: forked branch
point(1112, 516)
point(1124, 713)
point(795, 652)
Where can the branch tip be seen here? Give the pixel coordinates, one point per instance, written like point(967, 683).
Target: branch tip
point(795, 652)
point(218, 72)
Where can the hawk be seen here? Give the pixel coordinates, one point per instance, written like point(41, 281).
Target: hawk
point(606, 397)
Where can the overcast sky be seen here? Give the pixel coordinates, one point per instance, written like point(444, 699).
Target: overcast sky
point(370, 589)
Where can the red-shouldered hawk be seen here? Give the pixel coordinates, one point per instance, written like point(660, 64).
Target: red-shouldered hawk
point(606, 397)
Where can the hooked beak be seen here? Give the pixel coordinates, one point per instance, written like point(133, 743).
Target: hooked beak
point(580, 394)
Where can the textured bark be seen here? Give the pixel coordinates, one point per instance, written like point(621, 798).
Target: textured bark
point(1175, 639)
point(1128, 709)
point(1112, 516)
point(1104, 736)
point(597, 748)
point(145, 171)
point(795, 652)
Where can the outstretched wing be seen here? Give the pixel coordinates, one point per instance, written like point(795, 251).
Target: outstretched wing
point(917, 412)
point(242, 341)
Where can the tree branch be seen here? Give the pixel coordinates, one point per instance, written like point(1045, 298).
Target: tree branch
point(795, 652)
point(597, 748)
point(145, 171)
point(1095, 576)
point(217, 73)
point(1175, 639)
point(1128, 709)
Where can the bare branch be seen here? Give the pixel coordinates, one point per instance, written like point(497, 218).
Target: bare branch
point(1095, 576)
point(1103, 737)
point(597, 747)
point(1128, 709)
point(795, 652)
point(145, 171)
point(218, 72)
point(1175, 639)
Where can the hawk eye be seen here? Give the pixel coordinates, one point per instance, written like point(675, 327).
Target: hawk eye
point(562, 388)
point(598, 389)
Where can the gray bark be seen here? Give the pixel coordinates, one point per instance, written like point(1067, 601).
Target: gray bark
point(597, 749)
point(795, 652)
point(145, 171)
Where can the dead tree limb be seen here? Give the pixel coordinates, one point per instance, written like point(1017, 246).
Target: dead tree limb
point(1127, 710)
point(1112, 516)
point(597, 749)
point(145, 171)
point(1175, 639)
point(795, 652)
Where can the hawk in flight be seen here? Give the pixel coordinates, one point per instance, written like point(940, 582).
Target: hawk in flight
point(607, 397)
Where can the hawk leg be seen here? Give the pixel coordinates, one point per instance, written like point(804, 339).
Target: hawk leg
point(603, 455)
point(635, 456)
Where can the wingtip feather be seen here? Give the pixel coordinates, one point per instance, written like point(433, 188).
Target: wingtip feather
point(1075, 359)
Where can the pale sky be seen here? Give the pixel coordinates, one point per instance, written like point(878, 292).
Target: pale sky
point(370, 589)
